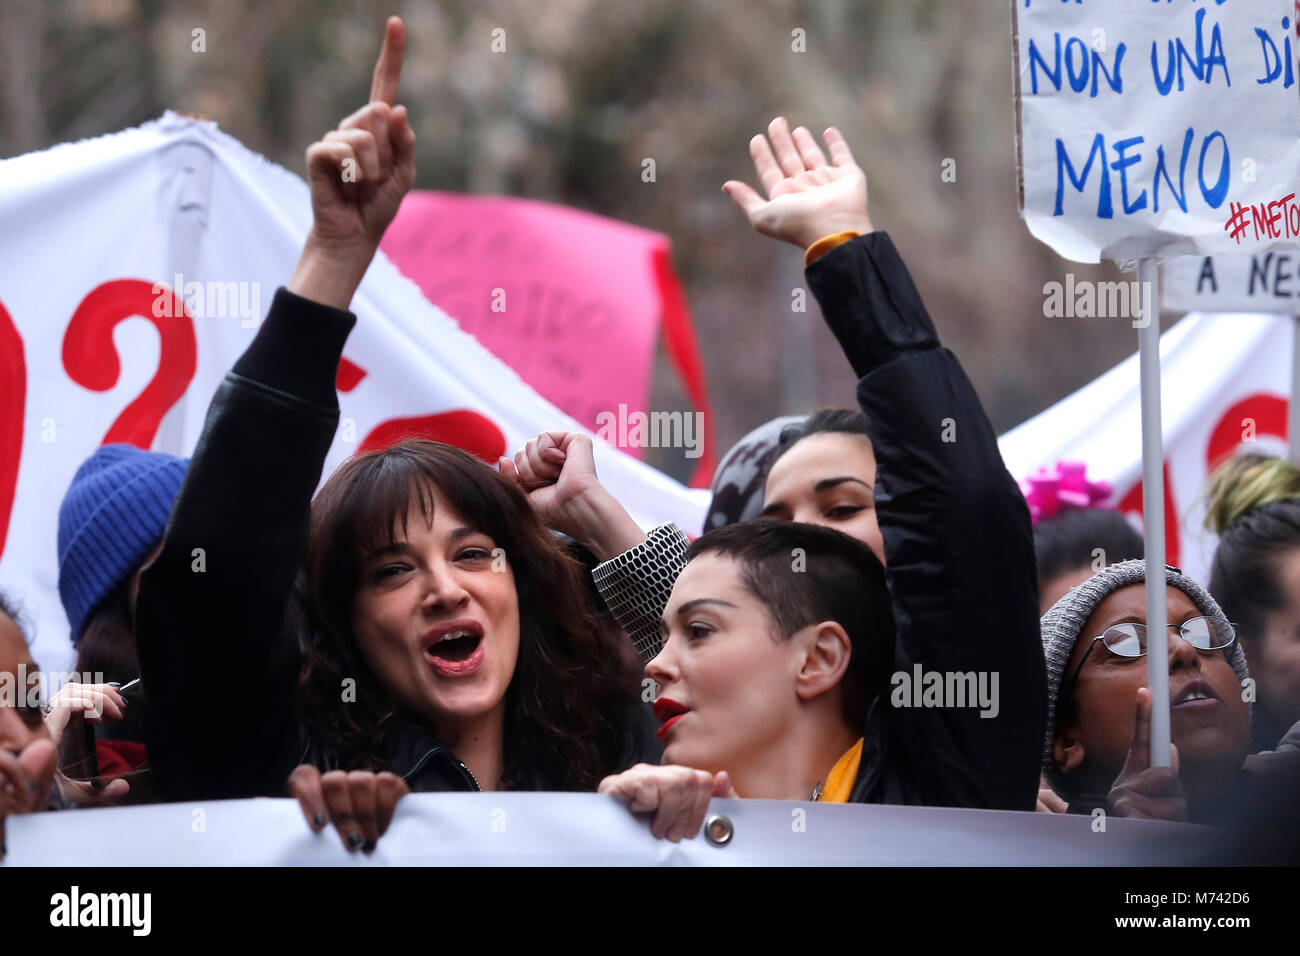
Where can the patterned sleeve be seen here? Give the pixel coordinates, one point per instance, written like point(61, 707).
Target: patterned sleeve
point(636, 585)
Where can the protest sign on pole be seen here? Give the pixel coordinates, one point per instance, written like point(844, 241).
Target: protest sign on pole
point(1157, 130)
point(1146, 132)
point(1268, 282)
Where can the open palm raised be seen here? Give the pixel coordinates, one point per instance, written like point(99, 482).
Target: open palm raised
point(808, 197)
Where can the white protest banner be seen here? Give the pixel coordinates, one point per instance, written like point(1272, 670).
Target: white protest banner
point(1152, 130)
point(1225, 387)
point(1267, 282)
point(1144, 157)
point(137, 268)
point(585, 829)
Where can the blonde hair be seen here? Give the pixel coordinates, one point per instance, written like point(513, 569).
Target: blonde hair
point(1246, 483)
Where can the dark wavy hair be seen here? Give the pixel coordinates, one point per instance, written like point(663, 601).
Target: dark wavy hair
point(571, 695)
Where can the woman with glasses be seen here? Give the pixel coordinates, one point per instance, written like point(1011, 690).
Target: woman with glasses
point(1096, 752)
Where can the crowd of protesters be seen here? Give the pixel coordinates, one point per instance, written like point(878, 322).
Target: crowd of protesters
point(430, 622)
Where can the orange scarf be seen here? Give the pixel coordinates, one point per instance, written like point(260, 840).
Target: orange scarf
point(843, 775)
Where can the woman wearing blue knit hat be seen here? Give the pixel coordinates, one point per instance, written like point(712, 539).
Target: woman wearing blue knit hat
point(111, 522)
point(111, 525)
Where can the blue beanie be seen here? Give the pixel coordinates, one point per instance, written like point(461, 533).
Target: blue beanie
point(114, 514)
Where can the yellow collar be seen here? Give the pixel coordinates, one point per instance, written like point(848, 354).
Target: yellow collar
point(839, 785)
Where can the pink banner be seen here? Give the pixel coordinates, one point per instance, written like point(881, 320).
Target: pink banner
point(567, 299)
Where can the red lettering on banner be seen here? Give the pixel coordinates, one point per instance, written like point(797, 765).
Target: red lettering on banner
point(468, 431)
point(1131, 503)
point(91, 360)
point(13, 399)
point(1273, 220)
point(349, 375)
point(1266, 412)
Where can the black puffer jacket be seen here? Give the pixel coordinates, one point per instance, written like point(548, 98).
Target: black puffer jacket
point(216, 624)
point(958, 546)
point(959, 550)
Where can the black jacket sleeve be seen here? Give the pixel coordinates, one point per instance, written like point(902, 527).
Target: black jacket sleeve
point(218, 647)
point(958, 549)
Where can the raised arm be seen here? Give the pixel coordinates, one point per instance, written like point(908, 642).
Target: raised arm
point(957, 539)
point(557, 471)
point(217, 637)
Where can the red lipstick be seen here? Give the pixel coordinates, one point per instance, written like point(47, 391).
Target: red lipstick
point(669, 712)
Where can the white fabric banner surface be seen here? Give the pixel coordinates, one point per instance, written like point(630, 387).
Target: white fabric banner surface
point(1225, 379)
point(1155, 130)
point(105, 230)
point(567, 829)
point(1268, 282)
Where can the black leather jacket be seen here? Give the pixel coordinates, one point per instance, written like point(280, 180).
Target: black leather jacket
point(216, 623)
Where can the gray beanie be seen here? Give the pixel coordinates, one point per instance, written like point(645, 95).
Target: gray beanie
point(1065, 619)
point(738, 482)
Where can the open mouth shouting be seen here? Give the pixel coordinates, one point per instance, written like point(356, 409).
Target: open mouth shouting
point(1196, 695)
point(454, 649)
point(669, 712)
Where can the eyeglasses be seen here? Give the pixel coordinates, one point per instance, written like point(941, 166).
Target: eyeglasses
point(1130, 640)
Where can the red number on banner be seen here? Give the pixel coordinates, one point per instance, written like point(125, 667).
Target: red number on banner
point(1131, 503)
point(1248, 419)
point(468, 431)
point(13, 399)
point(349, 375)
point(91, 359)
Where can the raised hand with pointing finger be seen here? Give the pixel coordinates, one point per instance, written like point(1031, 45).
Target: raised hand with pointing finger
point(1141, 790)
point(358, 174)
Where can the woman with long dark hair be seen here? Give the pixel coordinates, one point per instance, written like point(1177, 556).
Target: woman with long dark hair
point(505, 639)
point(440, 640)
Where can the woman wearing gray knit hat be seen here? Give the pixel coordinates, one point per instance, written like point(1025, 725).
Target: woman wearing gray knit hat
point(1096, 751)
